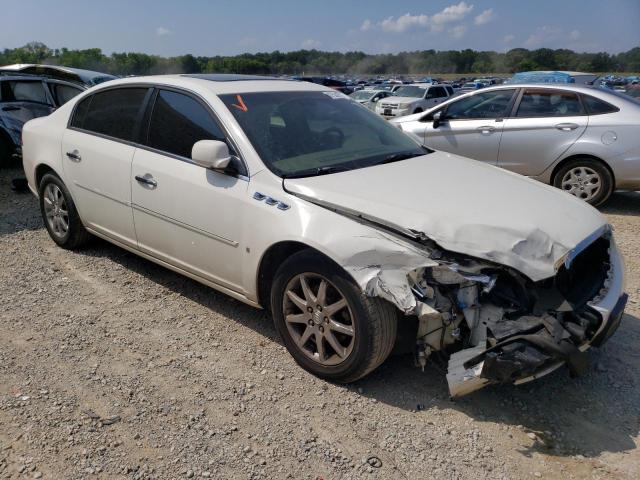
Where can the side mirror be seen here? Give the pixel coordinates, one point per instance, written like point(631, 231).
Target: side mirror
point(437, 119)
point(211, 154)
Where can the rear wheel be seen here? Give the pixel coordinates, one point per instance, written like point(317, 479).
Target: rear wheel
point(585, 178)
point(59, 213)
point(329, 326)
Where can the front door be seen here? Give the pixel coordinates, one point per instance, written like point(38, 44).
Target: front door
point(472, 126)
point(185, 214)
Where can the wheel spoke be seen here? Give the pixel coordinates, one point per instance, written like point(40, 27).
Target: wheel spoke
point(333, 341)
point(304, 337)
point(306, 290)
point(321, 298)
point(320, 347)
point(330, 310)
point(297, 318)
point(341, 328)
point(300, 303)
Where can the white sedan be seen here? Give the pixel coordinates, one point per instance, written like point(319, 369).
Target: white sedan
point(289, 196)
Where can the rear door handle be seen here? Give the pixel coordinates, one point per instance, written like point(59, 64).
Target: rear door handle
point(567, 127)
point(75, 156)
point(486, 129)
point(147, 180)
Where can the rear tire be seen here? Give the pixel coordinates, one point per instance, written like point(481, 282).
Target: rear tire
point(59, 213)
point(585, 178)
point(355, 338)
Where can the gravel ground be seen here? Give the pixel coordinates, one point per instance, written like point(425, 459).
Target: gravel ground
point(113, 367)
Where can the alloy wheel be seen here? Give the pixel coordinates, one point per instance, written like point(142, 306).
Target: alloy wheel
point(318, 319)
point(583, 182)
point(56, 211)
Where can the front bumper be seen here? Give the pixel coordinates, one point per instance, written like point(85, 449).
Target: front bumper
point(393, 112)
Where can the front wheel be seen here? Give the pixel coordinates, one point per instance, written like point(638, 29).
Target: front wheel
point(330, 327)
point(585, 178)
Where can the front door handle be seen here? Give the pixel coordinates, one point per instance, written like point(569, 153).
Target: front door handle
point(486, 129)
point(567, 127)
point(75, 156)
point(147, 180)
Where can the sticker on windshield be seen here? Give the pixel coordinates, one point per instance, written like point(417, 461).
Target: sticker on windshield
point(336, 95)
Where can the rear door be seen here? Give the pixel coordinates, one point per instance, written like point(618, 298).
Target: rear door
point(185, 214)
point(97, 151)
point(545, 124)
point(472, 126)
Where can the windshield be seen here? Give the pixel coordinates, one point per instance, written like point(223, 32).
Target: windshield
point(362, 95)
point(410, 91)
point(309, 133)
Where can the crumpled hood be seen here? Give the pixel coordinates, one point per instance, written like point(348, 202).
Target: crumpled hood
point(465, 206)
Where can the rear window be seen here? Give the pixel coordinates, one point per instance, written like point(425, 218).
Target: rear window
point(595, 106)
point(113, 112)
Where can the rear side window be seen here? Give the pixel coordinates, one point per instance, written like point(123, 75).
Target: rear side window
point(178, 121)
point(63, 93)
point(595, 106)
point(114, 113)
point(549, 103)
point(26, 91)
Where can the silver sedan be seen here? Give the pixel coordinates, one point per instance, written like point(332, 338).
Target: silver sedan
point(583, 140)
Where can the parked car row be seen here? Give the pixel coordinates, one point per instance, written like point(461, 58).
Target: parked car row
point(288, 196)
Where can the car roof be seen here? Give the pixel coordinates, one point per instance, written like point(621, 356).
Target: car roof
point(221, 84)
point(88, 77)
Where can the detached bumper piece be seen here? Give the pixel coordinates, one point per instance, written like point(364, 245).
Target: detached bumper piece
point(530, 346)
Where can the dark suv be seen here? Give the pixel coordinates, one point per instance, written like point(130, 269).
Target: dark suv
point(24, 96)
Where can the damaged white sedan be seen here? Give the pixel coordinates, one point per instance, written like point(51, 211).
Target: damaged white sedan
point(290, 196)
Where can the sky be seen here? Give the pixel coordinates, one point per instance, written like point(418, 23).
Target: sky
point(228, 27)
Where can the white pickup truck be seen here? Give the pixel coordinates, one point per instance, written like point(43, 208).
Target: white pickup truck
point(414, 98)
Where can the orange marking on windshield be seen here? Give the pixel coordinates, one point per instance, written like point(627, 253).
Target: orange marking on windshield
point(242, 106)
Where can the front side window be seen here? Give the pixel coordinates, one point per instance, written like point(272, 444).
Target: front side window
point(410, 91)
point(308, 133)
point(595, 106)
point(177, 122)
point(113, 112)
point(549, 103)
point(26, 91)
point(482, 105)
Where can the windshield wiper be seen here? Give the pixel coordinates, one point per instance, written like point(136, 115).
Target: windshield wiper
point(314, 172)
point(396, 157)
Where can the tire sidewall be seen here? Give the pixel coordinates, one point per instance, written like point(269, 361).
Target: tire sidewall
point(605, 177)
point(308, 262)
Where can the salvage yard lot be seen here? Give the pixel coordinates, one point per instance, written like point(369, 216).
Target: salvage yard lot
point(114, 367)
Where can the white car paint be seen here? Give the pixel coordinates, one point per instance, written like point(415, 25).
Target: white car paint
point(382, 223)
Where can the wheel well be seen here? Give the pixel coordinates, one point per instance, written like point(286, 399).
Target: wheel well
point(41, 170)
point(5, 137)
point(573, 157)
point(271, 260)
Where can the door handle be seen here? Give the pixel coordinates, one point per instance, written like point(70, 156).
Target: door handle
point(486, 129)
point(567, 127)
point(75, 156)
point(10, 108)
point(147, 180)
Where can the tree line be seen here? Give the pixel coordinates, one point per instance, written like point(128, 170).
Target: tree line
point(311, 62)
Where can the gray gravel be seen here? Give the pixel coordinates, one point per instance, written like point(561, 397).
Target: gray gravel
point(113, 367)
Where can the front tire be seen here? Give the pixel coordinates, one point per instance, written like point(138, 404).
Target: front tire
point(330, 327)
point(59, 213)
point(585, 178)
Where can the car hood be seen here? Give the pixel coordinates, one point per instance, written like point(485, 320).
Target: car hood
point(394, 99)
point(465, 206)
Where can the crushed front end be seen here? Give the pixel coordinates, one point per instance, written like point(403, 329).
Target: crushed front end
point(501, 327)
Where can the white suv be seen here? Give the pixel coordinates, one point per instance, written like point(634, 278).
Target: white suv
point(416, 98)
point(290, 196)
